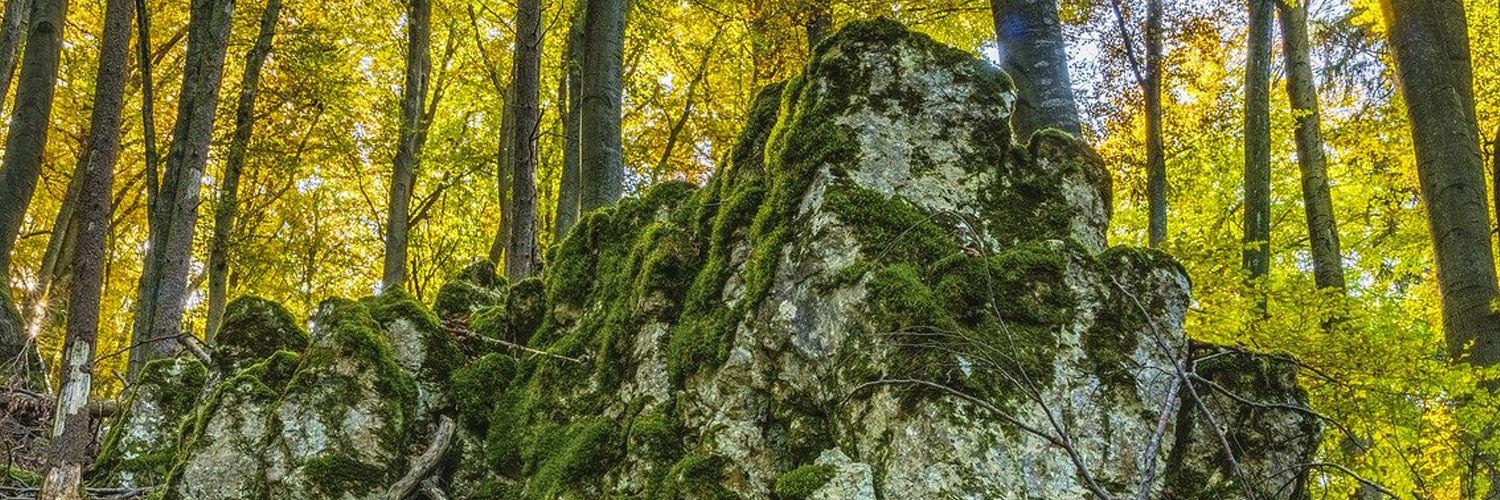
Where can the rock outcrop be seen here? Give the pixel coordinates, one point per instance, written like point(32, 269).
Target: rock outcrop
point(881, 294)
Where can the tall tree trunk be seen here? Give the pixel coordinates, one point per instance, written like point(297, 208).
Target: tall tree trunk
point(228, 204)
point(602, 169)
point(404, 175)
point(1317, 201)
point(1430, 42)
point(1257, 256)
point(522, 258)
point(71, 432)
point(568, 190)
point(148, 106)
point(164, 279)
point(1156, 156)
point(21, 166)
point(1033, 52)
point(503, 172)
point(11, 26)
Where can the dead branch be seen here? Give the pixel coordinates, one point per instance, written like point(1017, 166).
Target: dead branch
point(442, 440)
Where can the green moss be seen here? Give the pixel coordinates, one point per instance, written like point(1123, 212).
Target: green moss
point(440, 352)
point(888, 229)
point(254, 329)
point(697, 477)
point(476, 387)
point(525, 307)
point(655, 435)
point(347, 337)
point(801, 482)
point(336, 475)
point(572, 457)
point(18, 477)
point(458, 299)
point(173, 387)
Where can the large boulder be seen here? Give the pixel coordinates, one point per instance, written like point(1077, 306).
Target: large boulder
point(882, 295)
point(254, 329)
point(139, 449)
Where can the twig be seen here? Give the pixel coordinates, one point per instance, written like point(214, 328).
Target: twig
point(442, 440)
point(1168, 408)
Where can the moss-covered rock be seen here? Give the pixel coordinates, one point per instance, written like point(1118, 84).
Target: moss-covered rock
point(473, 288)
point(254, 328)
point(420, 343)
point(141, 446)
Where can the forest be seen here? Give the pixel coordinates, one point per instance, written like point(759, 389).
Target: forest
point(1322, 172)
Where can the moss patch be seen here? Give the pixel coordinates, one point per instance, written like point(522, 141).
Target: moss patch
point(254, 329)
point(801, 482)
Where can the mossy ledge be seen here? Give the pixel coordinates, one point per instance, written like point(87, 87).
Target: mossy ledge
point(814, 323)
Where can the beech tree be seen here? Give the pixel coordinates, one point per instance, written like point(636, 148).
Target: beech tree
point(523, 257)
point(228, 204)
point(164, 280)
point(1429, 40)
point(1033, 52)
point(602, 170)
point(1256, 258)
point(568, 190)
point(21, 165)
point(1317, 200)
point(72, 433)
point(404, 173)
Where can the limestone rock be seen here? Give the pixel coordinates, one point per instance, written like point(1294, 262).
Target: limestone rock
point(140, 447)
point(253, 330)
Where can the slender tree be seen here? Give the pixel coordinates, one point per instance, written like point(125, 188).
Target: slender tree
point(503, 173)
point(602, 170)
point(568, 190)
point(54, 259)
point(228, 204)
point(71, 432)
point(523, 257)
point(1156, 155)
point(1256, 255)
point(1033, 52)
point(21, 166)
point(1317, 201)
point(404, 174)
point(148, 105)
point(1429, 40)
point(164, 280)
point(11, 26)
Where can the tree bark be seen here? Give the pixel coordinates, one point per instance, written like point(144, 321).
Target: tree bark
point(503, 172)
point(228, 203)
point(1317, 201)
point(148, 106)
point(11, 27)
point(403, 177)
point(1256, 258)
point(1156, 157)
point(21, 166)
point(164, 279)
point(602, 171)
point(568, 190)
point(71, 431)
point(522, 258)
point(1033, 52)
point(1429, 40)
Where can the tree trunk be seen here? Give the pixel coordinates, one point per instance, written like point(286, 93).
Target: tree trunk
point(1429, 40)
point(522, 257)
point(21, 166)
point(1317, 201)
point(503, 171)
point(568, 190)
point(148, 106)
point(1033, 52)
point(418, 69)
point(71, 432)
point(1256, 258)
point(164, 278)
point(602, 171)
point(228, 204)
point(1156, 157)
point(13, 24)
